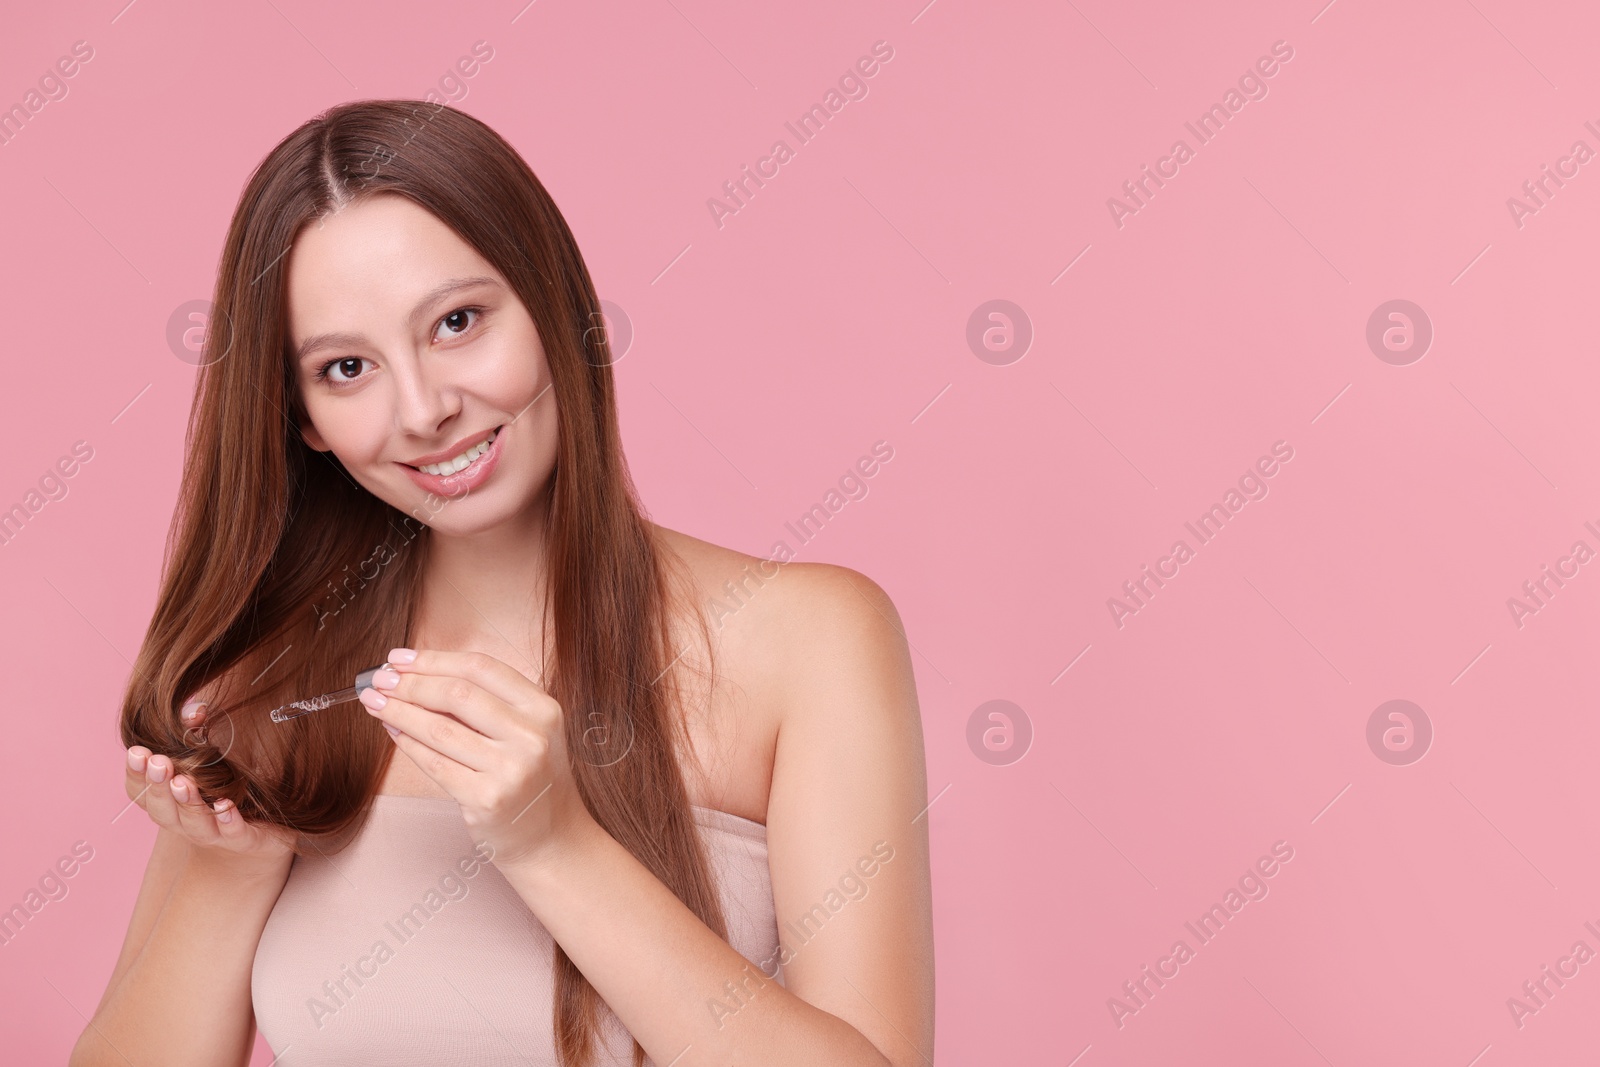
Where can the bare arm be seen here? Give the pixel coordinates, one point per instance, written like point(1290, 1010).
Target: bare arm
point(185, 996)
point(180, 991)
point(166, 859)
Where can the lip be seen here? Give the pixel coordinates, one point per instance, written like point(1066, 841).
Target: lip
point(454, 450)
point(467, 479)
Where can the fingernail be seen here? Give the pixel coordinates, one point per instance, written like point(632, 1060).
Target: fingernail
point(402, 655)
point(387, 679)
point(373, 699)
point(158, 769)
point(180, 791)
point(392, 731)
point(224, 811)
point(135, 761)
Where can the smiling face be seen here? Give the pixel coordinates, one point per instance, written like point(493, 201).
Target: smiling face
point(409, 350)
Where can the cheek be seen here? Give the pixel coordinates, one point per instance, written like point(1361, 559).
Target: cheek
point(354, 431)
point(515, 371)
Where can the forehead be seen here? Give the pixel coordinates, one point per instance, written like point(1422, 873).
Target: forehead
point(369, 263)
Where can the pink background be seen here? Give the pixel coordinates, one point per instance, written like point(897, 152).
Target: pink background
point(831, 312)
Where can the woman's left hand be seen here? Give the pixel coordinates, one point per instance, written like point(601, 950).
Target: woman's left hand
point(493, 739)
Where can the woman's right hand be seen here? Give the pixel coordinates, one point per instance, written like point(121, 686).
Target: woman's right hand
point(174, 803)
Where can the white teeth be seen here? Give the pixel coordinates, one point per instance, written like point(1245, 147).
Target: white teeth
point(450, 466)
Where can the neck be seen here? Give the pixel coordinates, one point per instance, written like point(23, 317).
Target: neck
point(483, 592)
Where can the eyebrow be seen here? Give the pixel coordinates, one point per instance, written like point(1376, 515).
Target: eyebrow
point(317, 342)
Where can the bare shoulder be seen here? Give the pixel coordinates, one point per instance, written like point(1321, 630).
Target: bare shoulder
point(736, 577)
point(772, 619)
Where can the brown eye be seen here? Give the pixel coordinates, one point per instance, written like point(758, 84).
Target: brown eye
point(348, 368)
point(456, 322)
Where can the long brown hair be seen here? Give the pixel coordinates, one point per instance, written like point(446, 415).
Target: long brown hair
point(283, 578)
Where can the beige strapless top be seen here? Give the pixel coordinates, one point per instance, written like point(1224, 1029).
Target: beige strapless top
point(405, 948)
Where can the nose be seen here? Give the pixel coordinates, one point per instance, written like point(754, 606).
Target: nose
point(425, 399)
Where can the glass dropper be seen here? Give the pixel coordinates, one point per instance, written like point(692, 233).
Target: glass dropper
point(297, 708)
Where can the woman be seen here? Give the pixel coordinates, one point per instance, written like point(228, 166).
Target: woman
point(572, 820)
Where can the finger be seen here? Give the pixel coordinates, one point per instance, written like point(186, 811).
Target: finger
point(230, 824)
point(193, 713)
point(475, 706)
point(158, 802)
point(234, 832)
point(133, 771)
point(134, 782)
point(494, 676)
point(462, 745)
point(192, 717)
point(195, 817)
point(452, 776)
